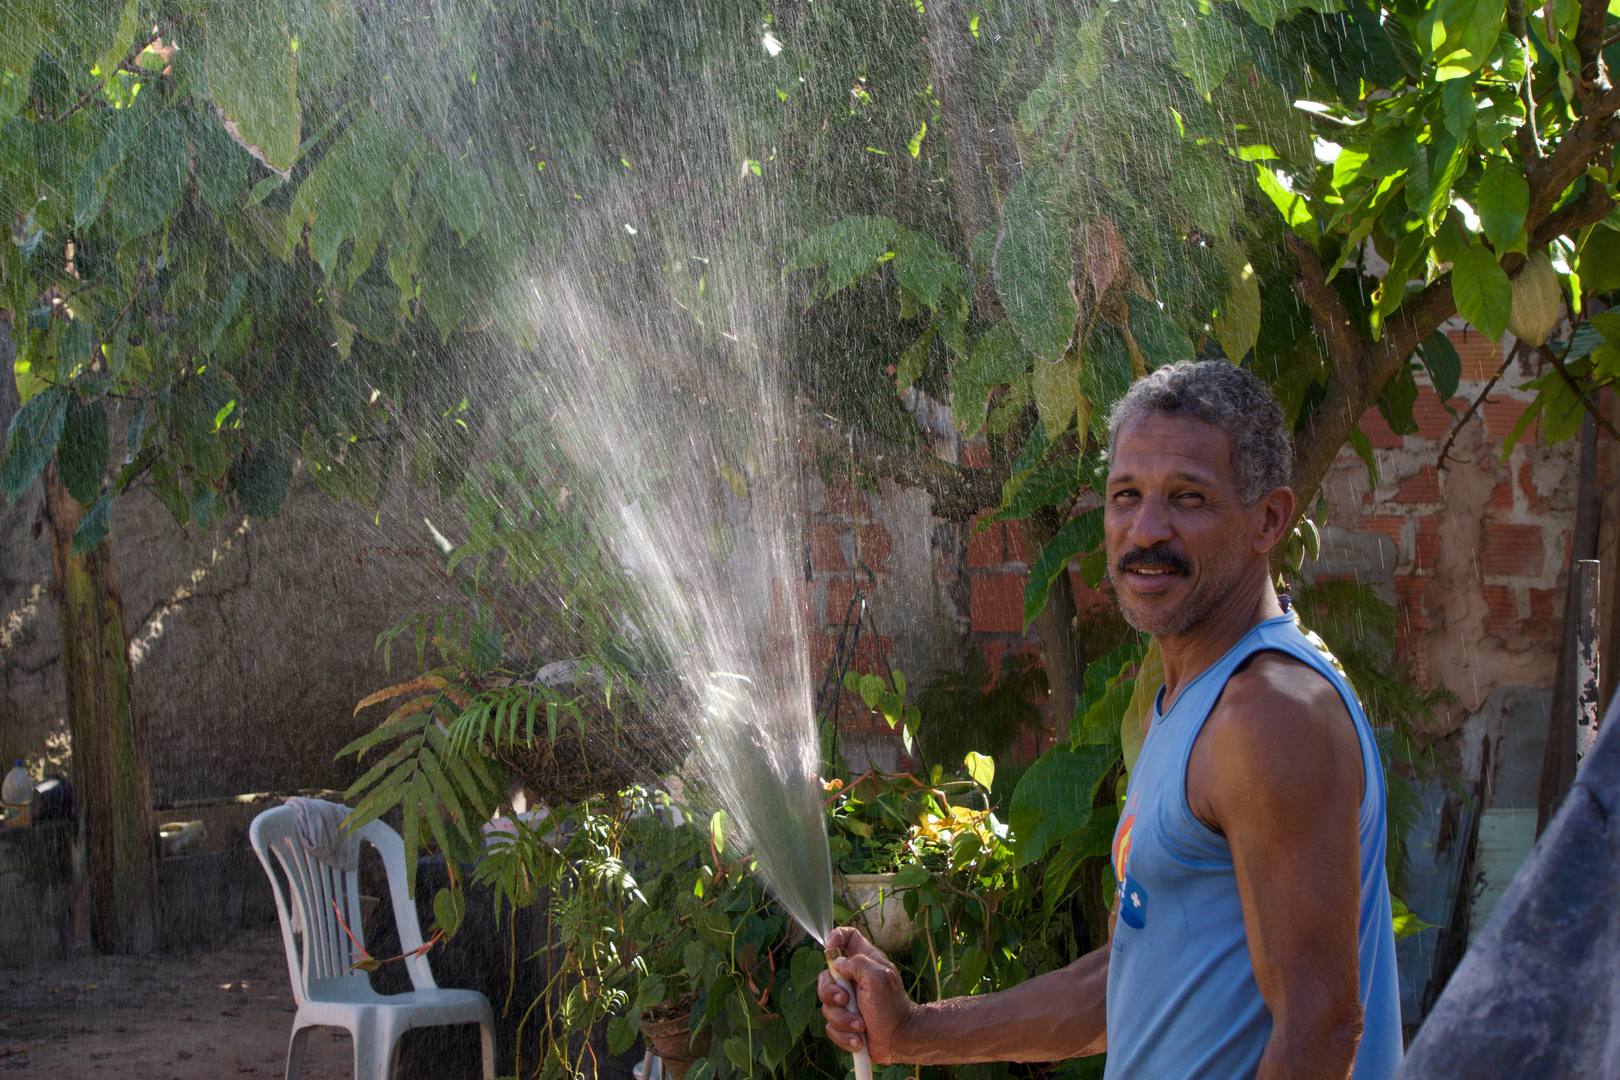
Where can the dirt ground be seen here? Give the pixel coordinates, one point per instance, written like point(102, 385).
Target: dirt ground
point(201, 1016)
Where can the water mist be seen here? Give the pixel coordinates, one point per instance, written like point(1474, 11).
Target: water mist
point(700, 497)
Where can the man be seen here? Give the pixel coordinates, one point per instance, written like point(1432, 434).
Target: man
point(1251, 932)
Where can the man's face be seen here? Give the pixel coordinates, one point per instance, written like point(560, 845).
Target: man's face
point(1178, 539)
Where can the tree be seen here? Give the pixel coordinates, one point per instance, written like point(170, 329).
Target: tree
point(246, 234)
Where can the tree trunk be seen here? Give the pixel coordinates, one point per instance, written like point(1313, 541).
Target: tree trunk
point(1060, 644)
point(111, 761)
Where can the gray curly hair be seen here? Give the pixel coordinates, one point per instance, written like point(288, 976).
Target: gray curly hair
point(1232, 399)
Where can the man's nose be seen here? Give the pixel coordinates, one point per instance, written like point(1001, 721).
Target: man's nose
point(1150, 524)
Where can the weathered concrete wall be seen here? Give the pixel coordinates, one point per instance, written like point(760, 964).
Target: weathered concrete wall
point(252, 641)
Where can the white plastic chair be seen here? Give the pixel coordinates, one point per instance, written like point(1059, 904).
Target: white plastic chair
point(319, 953)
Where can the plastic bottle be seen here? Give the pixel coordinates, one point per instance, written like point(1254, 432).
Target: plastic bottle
point(17, 793)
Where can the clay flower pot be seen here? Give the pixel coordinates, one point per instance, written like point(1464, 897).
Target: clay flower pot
point(674, 1045)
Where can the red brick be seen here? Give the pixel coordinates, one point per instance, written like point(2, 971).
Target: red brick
point(826, 550)
point(1422, 488)
point(1501, 499)
point(839, 593)
point(821, 650)
point(1481, 357)
point(1541, 621)
point(1378, 431)
point(1428, 542)
point(1527, 484)
point(1433, 421)
point(1409, 601)
point(875, 546)
point(782, 608)
point(1015, 542)
point(993, 652)
point(975, 456)
point(869, 654)
point(997, 604)
point(842, 498)
point(985, 548)
point(1085, 597)
point(1513, 550)
point(1503, 619)
point(1501, 416)
point(1387, 524)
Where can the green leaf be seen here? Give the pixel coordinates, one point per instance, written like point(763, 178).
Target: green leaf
point(220, 165)
point(93, 526)
point(1049, 485)
point(1095, 837)
point(1078, 536)
point(1397, 399)
point(1406, 923)
point(31, 440)
point(1444, 365)
point(449, 908)
point(1033, 264)
point(260, 479)
point(1363, 448)
point(909, 367)
point(82, 452)
point(227, 311)
point(1160, 339)
point(1237, 324)
point(1053, 797)
point(1483, 293)
point(253, 78)
point(996, 357)
point(981, 767)
point(921, 266)
point(1459, 35)
point(971, 969)
point(147, 184)
point(1501, 201)
point(849, 247)
point(463, 193)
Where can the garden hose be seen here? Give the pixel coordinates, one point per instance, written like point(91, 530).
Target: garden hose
point(863, 1058)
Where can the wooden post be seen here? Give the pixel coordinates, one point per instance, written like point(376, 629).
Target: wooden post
point(111, 762)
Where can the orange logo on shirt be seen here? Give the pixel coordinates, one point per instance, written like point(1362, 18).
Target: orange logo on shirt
point(1122, 838)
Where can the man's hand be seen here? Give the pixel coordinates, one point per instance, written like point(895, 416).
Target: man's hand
point(879, 994)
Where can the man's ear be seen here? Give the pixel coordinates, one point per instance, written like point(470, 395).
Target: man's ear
point(1275, 512)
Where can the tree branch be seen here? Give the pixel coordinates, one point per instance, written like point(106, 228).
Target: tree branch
point(1328, 314)
point(1574, 387)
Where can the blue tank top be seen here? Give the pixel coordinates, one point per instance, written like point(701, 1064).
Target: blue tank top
point(1183, 1003)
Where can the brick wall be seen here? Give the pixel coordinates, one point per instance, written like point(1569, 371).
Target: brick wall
point(1471, 556)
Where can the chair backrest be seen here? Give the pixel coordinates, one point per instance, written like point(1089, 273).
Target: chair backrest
point(314, 892)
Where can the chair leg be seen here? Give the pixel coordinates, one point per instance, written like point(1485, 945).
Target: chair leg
point(295, 1052)
point(371, 1048)
point(486, 1035)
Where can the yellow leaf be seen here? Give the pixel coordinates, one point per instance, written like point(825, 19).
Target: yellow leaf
point(1149, 677)
point(426, 682)
point(1057, 392)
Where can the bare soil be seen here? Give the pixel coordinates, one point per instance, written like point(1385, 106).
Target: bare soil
point(198, 1016)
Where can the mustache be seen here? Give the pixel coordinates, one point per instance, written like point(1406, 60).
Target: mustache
point(1152, 559)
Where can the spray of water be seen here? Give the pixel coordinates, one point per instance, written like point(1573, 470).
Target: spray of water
point(690, 445)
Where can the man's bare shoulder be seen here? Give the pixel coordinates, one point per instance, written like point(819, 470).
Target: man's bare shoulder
point(1280, 726)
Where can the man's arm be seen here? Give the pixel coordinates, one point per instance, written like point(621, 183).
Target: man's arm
point(1278, 770)
point(1061, 1014)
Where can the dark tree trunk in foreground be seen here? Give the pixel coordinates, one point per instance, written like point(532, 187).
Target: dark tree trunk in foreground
point(111, 758)
point(1060, 644)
